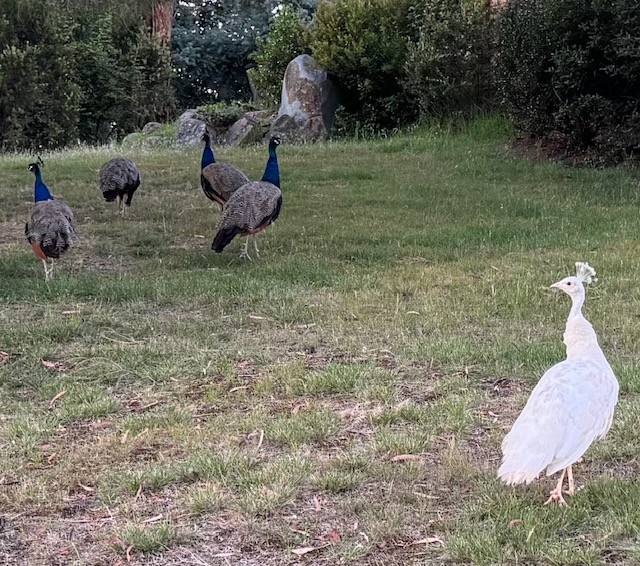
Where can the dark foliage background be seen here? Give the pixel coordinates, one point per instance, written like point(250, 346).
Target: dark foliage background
point(568, 72)
point(72, 71)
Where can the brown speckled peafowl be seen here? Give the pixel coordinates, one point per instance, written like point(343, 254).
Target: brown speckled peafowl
point(50, 229)
point(219, 180)
point(253, 207)
point(119, 178)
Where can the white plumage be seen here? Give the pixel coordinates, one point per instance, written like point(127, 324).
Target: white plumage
point(569, 408)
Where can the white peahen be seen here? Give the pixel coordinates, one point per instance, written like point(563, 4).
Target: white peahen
point(571, 406)
point(50, 229)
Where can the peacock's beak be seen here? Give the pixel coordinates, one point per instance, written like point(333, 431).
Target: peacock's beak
point(555, 287)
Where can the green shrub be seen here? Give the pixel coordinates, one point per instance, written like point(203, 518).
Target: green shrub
point(221, 115)
point(363, 45)
point(447, 66)
point(287, 38)
point(569, 71)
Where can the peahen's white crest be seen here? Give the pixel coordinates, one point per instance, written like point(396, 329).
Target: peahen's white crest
point(569, 408)
point(585, 272)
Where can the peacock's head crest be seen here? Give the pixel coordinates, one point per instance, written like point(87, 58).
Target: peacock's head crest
point(35, 167)
point(274, 142)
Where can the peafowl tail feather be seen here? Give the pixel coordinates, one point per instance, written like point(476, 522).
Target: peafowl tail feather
point(224, 237)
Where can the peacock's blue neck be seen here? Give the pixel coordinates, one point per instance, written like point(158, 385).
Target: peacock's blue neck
point(272, 171)
point(207, 155)
point(41, 192)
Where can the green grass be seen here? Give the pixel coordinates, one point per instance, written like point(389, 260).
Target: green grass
point(348, 391)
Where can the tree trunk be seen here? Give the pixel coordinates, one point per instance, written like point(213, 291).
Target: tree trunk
point(162, 20)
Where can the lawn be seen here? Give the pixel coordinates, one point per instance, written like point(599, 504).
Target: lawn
point(340, 400)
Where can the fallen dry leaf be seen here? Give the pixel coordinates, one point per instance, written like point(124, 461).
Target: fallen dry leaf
point(153, 519)
point(304, 550)
point(317, 504)
point(102, 424)
point(51, 459)
point(296, 408)
point(58, 396)
point(514, 522)
point(58, 366)
point(86, 487)
point(333, 536)
point(3, 357)
point(405, 457)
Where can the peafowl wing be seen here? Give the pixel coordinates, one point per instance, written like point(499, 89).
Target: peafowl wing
point(51, 227)
point(220, 180)
point(119, 177)
point(252, 208)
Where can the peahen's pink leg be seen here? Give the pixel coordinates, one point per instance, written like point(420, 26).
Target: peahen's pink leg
point(556, 494)
point(572, 489)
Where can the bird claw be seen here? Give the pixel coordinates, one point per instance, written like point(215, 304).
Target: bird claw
point(556, 497)
point(245, 255)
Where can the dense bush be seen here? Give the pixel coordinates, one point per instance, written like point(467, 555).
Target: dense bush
point(287, 38)
point(569, 70)
point(39, 100)
point(363, 45)
point(447, 67)
point(69, 75)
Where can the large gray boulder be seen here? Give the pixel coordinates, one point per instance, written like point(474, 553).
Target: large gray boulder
point(308, 104)
point(190, 128)
point(251, 128)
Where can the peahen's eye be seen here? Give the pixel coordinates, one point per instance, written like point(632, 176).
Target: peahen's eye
point(568, 282)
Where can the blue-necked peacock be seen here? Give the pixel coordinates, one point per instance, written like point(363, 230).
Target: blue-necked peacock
point(119, 178)
point(50, 229)
point(219, 180)
point(253, 207)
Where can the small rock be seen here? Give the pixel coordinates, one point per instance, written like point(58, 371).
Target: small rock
point(150, 127)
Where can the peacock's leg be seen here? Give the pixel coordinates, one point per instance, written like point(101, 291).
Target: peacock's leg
point(245, 249)
point(119, 203)
point(255, 245)
point(572, 489)
point(556, 494)
point(48, 270)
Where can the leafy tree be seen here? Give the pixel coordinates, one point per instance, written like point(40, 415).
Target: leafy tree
point(287, 38)
point(212, 43)
point(40, 98)
point(72, 72)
